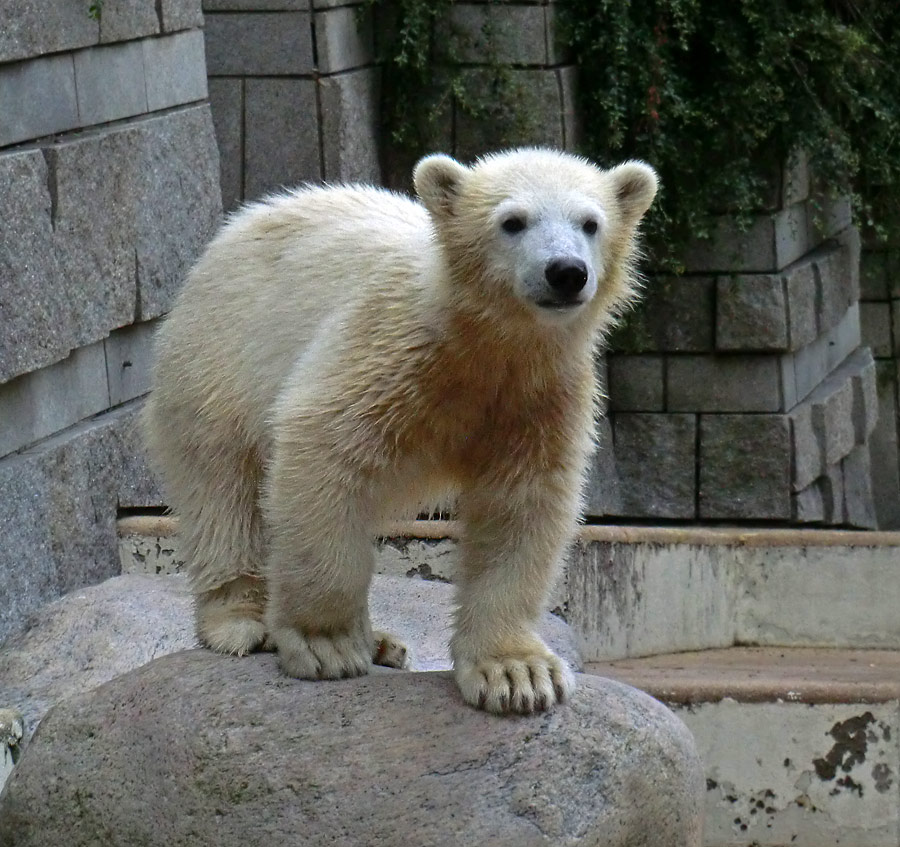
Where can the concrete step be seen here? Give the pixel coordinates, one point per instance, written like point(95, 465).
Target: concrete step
point(801, 746)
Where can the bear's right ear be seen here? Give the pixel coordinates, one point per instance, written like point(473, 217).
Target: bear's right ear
point(437, 180)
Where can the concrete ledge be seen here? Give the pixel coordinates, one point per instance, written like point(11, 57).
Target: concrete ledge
point(762, 674)
point(715, 536)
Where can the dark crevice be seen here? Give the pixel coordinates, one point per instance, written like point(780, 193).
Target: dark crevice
point(52, 188)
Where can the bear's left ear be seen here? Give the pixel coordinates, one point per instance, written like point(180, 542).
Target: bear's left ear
point(634, 186)
point(437, 180)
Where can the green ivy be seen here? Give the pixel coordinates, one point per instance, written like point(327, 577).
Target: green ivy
point(715, 95)
point(95, 10)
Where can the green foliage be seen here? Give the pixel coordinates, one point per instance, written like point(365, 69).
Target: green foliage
point(716, 94)
point(95, 9)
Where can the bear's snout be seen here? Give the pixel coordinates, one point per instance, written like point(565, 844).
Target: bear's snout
point(566, 277)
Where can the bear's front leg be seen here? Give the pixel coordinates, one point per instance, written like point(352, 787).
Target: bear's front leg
point(512, 546)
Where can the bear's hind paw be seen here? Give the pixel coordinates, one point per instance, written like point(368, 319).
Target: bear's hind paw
point(237, 636)
point(389, 651)
point(321, 656)
point(514, 685)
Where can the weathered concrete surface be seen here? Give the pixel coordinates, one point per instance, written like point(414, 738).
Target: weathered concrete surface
point(637, 591)
point(200, 749)
point(790, 773)
point(800, 745)
point(100, 632)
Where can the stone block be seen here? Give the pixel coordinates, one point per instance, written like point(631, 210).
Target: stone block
point(859, 504)
point(48, 400)
point(677, 315)
point(884, 448)
point(771, 243)
point(123, 20)
point(37, 98)
point(178, 180)
point(636, 383)
point(795, 182)
point(802, 303)
point(93, 221)
point(875, 327)
point(834, 286)
point(808, 505)
point(602, 494)
point(850, 244)
point(129, 355)
point(110, 82)
point(259, 44)
point(829, 215)
point(350, 126)
point(180, 14)
point(60, 499)
point(175, 67)
point(873, 275)
point(861, 369)
point(37, 27)
point(35, 327)
point(832, 417)
point(493, 35)
point(280, 120)
point(805, 369)
point(745, 467)
point(807, 446)
point(751, 313)
point(343, 39)
point(527, 110)
point(655, 461)
point(733, 383)
point(226, 100)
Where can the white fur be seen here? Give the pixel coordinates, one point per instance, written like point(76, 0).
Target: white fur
point(341, 355)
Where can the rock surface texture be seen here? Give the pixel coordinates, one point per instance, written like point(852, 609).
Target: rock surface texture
point(94, 634)
point(202, 749)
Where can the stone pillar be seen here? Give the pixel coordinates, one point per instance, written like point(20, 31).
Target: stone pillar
point(739, 391)
point(108, 191)
point(294, 93)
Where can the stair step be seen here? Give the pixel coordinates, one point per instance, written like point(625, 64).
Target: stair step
point(762, 674)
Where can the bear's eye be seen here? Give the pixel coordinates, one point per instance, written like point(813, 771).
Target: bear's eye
point(589, 227)
point(513, 225)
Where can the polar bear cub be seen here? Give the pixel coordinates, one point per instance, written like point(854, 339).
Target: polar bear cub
point(340, 355)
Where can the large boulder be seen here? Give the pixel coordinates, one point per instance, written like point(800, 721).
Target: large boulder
point(201, 749)
point(96, 633)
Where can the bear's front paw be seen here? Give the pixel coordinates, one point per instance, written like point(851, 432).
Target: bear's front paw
point(520, 685)
point(322, 656)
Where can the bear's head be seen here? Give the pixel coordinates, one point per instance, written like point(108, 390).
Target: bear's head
point(552, 229)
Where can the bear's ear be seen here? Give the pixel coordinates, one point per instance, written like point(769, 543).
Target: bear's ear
point(437, 180)
point(634, 186)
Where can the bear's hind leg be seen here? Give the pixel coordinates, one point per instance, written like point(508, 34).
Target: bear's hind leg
point(221, 535)
point(389, 651)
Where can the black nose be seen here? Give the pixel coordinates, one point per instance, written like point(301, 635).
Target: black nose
point(566, 276)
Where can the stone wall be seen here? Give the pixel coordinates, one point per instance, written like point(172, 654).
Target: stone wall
point(108, 191)
point(294, 93)
point(880, 323)
point(740, 390)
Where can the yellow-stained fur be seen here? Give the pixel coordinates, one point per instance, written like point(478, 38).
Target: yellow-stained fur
point(341, 355)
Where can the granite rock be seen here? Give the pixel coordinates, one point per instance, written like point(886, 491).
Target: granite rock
point(203, 749)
